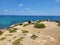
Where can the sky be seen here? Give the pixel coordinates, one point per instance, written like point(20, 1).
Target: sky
point(29, 7)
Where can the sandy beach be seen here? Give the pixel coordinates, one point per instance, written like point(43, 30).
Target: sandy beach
point(29, 22)
point(50, 35)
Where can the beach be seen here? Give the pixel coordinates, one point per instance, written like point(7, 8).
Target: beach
point(50, 35)
point(29, 22)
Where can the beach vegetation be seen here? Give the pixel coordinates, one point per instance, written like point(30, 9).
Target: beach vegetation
point(1, 32)
point(21, 24)
point(17, 42)
point(39, 25)
point(13, 30)
point(33, 37)
point(2, 38)
point(43, 20)
point(24, 31)
point(25, 25)
point(38, 21)
point(59, 24)
point(57, 21)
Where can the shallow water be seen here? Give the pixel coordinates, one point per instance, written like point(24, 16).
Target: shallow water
point(8, 20)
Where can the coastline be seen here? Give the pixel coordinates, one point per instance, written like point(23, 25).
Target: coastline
point(45, 30)
point(6, 21)
point(25, 22)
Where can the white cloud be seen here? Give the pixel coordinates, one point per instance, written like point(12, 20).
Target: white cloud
point(20, 4)
point(5, 10)
point(57, 0)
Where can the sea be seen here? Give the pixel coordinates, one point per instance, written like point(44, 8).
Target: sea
point(8, 20)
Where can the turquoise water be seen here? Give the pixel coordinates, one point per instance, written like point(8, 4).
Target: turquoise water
point(6, 21)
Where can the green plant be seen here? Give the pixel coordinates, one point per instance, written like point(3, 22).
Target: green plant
point(2, 38)
point(34, 36)
point(25, 25)
point(59, 24)
point(57, 21)
point(24, 31)
point(13, 30)
point(17, 42)
point(39, 25)
point(21, 24)
point(1, 32)
point(38, 21)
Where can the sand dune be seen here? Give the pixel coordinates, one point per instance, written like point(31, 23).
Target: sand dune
point(45, 36)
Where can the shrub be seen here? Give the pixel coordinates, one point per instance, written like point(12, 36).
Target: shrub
point(17, 42)
point(59, 24)
point(41, 25)
point(24, 31)
point(57, 21)
point(13, 30)
point(20, 24)
point(2, 38)
point(34, 36)
point(1, 32)
point(38, 21)
point(25, 25)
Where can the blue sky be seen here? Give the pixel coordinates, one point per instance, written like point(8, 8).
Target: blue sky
point(29, 7)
